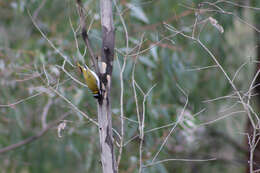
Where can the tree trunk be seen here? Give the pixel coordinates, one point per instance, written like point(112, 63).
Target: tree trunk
point(104, 107)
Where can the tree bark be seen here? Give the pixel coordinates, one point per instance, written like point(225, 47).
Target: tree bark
point(104, 106)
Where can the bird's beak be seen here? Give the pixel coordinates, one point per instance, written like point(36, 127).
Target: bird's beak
point(79, 67)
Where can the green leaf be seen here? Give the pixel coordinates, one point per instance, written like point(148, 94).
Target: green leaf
point(138, 13)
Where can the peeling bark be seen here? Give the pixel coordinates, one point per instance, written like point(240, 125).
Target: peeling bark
point(104, 107)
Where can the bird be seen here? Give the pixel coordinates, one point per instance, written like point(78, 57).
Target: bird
point(91, 79)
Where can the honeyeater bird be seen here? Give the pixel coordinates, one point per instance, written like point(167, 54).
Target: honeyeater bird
point(91, 80)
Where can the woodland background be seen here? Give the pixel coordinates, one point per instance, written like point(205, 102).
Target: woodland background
point(213, 124)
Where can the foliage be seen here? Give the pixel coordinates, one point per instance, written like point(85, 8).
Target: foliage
point(29, 65)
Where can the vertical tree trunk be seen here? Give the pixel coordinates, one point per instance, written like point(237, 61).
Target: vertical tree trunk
point(104, 106)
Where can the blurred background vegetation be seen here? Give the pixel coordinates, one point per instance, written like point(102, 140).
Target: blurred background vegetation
point(26, 57)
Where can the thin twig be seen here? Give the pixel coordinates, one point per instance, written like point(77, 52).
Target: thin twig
point(33, 138)
point(45, 113)
point(238, 5)
point(74, 79)
point(182, 160)
point(76, 40)
point(122, 85)
point(220, 10)
point(36, 12)
point(46, 38)
point(73, 106)
point(84, 34)
point(136, 103)
point(161, 127)
point(142, 129)
point(222, 117)
point(233, 95)
point(177, 122)
point(221, 68)
point(22, 100)
point(246, 106)
point(202, 68)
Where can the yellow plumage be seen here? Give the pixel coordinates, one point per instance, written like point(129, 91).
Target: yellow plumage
point(91, 80)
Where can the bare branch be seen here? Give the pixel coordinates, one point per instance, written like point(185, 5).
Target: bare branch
point(46, 38)
point(236, 4)
point(182, 160)
point(22, 100)
point(84, 34)
point(45, 113)
point(202, 68)
point(33, 138)
point(122, 85)
point(73, 106)
point(175, 125)
point(36, 12)
point(220, 118)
